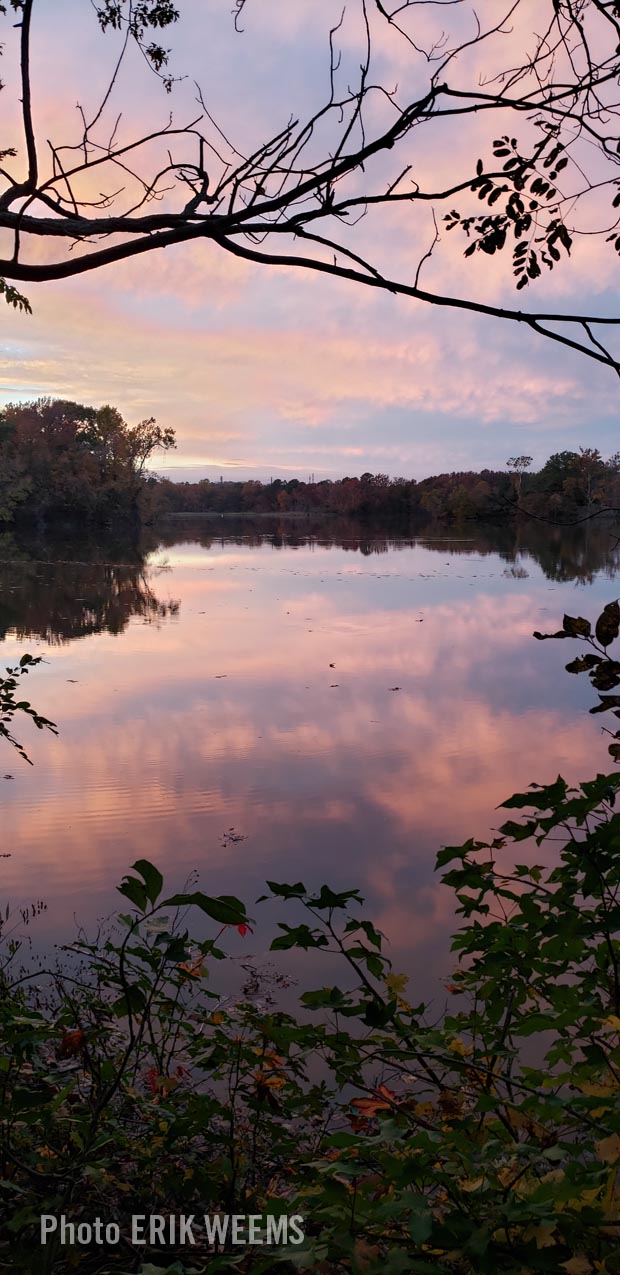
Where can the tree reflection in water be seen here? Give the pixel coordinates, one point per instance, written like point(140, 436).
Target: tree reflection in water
point(57, 591)
point(578, 553)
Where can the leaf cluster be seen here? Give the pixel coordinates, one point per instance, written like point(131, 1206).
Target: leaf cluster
point(530, 214)
point(601, 667)
point(10, 704)
point(11, 294)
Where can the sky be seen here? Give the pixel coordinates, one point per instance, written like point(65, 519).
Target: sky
point(266, 371)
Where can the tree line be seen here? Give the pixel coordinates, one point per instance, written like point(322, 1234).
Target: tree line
point(569, 483)
point(64, 461)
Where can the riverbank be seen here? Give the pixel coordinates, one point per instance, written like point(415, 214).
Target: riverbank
point(292, 514)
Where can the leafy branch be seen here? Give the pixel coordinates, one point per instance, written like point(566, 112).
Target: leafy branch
point(10, 704)
point(602, 669)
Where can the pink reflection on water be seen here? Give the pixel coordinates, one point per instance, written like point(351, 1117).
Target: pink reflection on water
point(267, 706)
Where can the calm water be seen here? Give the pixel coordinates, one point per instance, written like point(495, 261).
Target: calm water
point(255, 702)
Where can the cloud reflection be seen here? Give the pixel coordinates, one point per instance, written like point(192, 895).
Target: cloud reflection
point(230, 715)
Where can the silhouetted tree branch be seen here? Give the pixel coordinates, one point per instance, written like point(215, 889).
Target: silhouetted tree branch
point(552, 174)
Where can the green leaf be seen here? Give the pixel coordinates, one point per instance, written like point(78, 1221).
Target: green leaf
point(540, 797)
point(327, 898)
point(519, 831)
point(421, 1224)
point(64, 1093)
point(132, 1001)
point(285, 891)
point(378, 1014)
point(298, 936)
point(225, 909)
point(152, 878)
point(322, 998)
point(448, 853)
point(135, 891)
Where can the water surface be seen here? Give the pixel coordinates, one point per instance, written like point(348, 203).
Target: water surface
point(272, 701)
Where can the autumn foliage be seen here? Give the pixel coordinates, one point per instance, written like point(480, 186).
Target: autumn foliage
point(63, 460)
point(483, 1138)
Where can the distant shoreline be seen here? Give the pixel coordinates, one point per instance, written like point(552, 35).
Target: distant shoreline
point(248, 513)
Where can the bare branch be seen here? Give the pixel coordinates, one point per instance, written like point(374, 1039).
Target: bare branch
point(314, 178)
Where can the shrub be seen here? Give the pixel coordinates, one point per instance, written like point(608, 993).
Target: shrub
point(483, 1139)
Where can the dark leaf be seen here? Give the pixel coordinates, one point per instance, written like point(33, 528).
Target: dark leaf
point(542, 637)
point(135, 891)
point(576, 626)
point(583, 662)
point(152, 878)
point(606, 702)
point(608, 624)
point(606, 675)
point(224, 909)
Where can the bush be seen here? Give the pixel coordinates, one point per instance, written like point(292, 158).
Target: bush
point(485, 1139)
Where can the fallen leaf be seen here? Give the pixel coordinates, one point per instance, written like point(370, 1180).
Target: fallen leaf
point(608, 1149)
point(577, 1265)
point(542, 1234)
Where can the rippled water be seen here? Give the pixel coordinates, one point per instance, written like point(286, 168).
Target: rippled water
point(270, 703)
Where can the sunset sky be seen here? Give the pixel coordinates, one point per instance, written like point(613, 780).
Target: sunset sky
point(269, 372)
